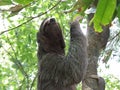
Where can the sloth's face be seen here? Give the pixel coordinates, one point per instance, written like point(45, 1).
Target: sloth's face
point(50, 28)
point(51, 38)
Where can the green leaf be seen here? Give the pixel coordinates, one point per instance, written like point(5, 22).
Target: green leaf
point(23, 1)
point(1, 44)
point(104, 13)
point(108, 12)
point(118, 12)
point(5, 2)
point(97, 27)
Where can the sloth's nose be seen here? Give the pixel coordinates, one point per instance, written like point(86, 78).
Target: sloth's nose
point(52, 20)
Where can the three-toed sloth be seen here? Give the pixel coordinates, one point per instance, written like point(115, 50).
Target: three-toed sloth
point(57, 71)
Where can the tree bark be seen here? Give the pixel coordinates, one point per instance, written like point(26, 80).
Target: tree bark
point(96, 43)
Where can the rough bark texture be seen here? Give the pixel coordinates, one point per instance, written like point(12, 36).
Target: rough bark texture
point(96, 42)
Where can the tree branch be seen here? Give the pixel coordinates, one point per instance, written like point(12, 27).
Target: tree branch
point(115, 36)
point(40, 14)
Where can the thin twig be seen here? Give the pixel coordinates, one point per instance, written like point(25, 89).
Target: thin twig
point(16, 59)
point(40, 14)
point(115, 36)
point(33, 81)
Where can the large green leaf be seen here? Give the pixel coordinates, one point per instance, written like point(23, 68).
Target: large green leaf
point(108, 12)
point(5, 2)
point(104, 13)
point(23, 1)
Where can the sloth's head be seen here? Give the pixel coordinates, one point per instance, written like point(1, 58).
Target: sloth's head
point(51, 37)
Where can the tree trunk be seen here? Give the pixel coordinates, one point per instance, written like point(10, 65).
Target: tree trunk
point(96, 43)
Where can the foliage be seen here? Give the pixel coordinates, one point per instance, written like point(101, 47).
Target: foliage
point(112, 83)
point(21, 19)
point(5, 2)
point(20, 47)
point(104, 13)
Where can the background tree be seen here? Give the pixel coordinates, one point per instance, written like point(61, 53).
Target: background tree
point(20, 20)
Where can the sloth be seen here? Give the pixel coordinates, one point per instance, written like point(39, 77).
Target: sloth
point(57, 71)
